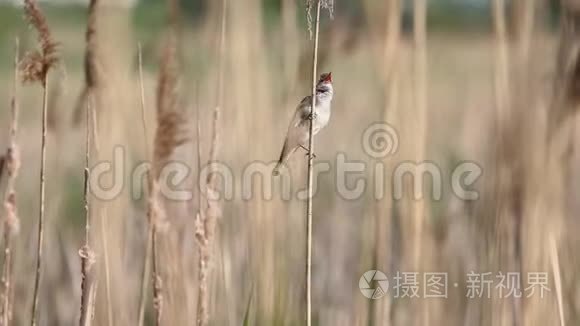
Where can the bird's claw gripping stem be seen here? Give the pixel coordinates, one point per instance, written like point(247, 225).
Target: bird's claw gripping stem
point(308, 151)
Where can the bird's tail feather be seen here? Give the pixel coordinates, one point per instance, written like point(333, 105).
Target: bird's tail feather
point(276, 171)
point(284, 155)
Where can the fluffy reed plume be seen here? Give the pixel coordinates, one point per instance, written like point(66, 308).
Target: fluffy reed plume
point(88, 257)
point(34, 68)
point(210, 211)
point(92, 73)
point(36, 64)
point(327, 4)
point(11, 223)
point(168, 136)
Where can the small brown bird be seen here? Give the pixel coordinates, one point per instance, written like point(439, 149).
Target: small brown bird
point(299, 129)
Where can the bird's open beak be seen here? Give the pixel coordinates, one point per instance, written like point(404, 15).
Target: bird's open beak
point(329, 77)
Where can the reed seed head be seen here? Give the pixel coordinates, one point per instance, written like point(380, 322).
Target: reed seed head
point(170, 119)
point(36, 64)
point(326, 4)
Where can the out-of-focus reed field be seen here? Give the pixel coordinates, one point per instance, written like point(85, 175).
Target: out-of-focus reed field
point(492, 82)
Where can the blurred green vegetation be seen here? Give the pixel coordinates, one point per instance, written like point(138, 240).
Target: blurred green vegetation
point(149, 15)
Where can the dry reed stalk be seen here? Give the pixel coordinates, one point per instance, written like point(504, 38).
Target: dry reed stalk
point(35, 68)
point(199, 226)
point(555, 262)
point(392, 37)
point(207, 217)
point(146, 266)
point(206, 222)
point(561, 122)
point(310, 178)
point(40, 239)
point(523, 16)
point(563, 110)
point(92, 92)
point(167, 138)
point(566, 90)
point(501, 72)
point(93, 78)
point(11, 223)
point(383, 251)
point(88, 257)
point(154, 216)
point(501, 83)
point(328, 4)
point(104, 239)
point(198, 150)
point(142, 98)
point(420, 84)
point(507, 194)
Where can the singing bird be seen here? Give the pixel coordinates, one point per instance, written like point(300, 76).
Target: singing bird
point(299, 129)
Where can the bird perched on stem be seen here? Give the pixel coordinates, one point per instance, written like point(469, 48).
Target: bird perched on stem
point(299, 129)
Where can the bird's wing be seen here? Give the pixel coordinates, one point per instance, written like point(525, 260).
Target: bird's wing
point(302, 111)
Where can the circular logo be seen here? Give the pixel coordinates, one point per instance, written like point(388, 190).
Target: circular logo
point(373, 284)
point(380, 140)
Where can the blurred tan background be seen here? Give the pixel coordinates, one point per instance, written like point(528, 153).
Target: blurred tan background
point(488, 84)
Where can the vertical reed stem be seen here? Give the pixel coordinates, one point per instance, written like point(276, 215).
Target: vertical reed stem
point(207, 220)
point(310, 179)
point(40, 239)
point(146, 265)
point(87, 255)
point(504, 218)
point(10, 197)
point(555, 262)
point(380, 312)
point(157, 295)
point(420, 71)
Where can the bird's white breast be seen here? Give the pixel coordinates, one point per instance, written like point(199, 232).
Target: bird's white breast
point(322, 115)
